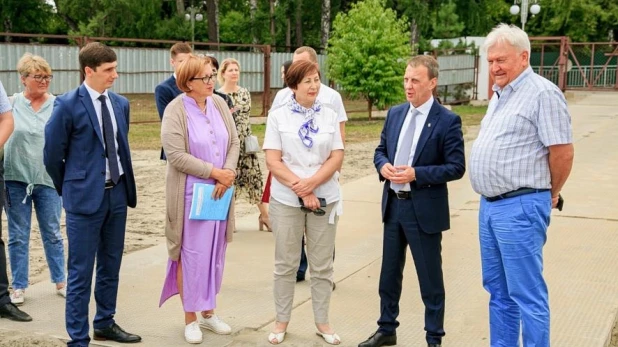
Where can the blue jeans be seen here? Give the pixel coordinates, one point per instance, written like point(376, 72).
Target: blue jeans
point(512, 233)
point(48, 206)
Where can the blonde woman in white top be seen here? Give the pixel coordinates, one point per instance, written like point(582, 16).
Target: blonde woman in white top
point(304, 150)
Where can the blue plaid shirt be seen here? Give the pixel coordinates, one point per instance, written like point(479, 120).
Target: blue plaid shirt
point(522, 121)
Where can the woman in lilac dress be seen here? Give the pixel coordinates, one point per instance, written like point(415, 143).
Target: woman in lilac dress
point(199, 137)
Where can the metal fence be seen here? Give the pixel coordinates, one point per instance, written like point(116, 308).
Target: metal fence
point(139, 69)
point(576, 79)
point(581, 65)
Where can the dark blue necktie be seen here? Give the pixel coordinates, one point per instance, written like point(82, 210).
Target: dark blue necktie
point(110, 143)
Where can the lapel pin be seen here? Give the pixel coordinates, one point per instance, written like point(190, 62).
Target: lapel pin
point(429, 125)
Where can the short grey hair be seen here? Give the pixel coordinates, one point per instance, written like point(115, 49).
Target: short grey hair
point(504, 33)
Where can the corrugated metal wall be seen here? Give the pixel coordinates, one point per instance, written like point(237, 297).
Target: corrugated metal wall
point(456, 69)
point(277, 60)
point(62, 59)
point(139, 69)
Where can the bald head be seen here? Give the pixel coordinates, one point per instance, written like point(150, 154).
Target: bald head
point(305, 53)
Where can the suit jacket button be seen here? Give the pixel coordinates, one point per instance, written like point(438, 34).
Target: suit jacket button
point(102, 172)
point(102, 155)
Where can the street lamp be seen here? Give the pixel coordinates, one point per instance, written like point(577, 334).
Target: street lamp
point(192, 16)
point(534, 9)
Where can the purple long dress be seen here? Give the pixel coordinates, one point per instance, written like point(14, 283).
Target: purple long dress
point(203, 242)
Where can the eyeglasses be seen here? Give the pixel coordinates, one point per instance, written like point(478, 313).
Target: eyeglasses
point(205, 79)
point(41, 78)
point(318, 211)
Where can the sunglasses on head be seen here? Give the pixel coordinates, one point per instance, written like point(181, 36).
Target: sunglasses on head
point(318, 211)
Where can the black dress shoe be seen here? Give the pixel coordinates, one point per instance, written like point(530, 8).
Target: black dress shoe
point(433, 345)
point(11, 312)
point(379, 339)
point(115, 333)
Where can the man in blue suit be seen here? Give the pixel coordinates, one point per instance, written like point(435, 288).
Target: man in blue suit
point(167, 90)
point(421, 149)
point(88, 158)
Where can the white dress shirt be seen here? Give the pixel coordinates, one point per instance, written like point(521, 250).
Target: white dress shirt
point(94, 95)
point(420, 120)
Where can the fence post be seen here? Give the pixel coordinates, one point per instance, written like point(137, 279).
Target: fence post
point(266, 94)
point(562, 71)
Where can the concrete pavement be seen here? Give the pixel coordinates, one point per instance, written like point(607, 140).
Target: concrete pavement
point(580, 266)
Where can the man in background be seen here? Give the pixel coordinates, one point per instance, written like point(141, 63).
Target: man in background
point(167, 90)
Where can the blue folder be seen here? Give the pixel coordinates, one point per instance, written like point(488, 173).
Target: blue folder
point(204, 207)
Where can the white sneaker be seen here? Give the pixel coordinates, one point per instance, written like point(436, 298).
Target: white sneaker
point(18, 296)
point(193, 334)
point(62, 292)
point(215, 325)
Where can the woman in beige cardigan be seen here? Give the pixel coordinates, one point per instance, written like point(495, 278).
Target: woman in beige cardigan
point(200, 140)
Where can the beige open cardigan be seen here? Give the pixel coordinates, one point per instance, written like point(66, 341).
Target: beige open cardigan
point(175, 140)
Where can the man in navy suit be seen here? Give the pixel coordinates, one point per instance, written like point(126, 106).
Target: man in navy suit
point(167, 90)
point(88, 158)
point(421, 149)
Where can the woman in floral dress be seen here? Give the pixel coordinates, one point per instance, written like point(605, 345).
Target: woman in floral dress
point(249, 180)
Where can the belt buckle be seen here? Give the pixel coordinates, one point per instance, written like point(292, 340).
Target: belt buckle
point(401, 195)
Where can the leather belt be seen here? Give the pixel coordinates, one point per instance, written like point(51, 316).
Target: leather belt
point(109, 184)
point(514, 193)
point(401, 195)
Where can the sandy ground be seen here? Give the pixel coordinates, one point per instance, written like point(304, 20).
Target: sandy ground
point(145, 224)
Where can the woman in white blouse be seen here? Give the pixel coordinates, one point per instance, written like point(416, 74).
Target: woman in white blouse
point(303, 152)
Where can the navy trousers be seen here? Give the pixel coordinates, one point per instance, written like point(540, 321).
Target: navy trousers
point(97, 236)
point(401, 230)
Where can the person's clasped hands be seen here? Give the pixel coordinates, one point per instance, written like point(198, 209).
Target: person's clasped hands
point(399, 174)
point(303, 188)
point(224, 179)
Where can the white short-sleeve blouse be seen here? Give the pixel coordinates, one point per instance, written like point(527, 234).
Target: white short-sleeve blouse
point(282, 134)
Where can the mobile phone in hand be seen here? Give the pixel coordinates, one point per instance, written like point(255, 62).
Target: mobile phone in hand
point(321, 200)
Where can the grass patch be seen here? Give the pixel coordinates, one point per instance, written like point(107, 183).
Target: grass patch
point(145, 136)
point(470, 115)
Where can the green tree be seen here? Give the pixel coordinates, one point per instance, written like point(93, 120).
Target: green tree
point(367, 53)
point(25, 16)
point(446, 24)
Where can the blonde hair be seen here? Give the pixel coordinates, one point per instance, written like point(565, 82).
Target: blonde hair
point(224, 65)
point(30, 63)
point(188, 69)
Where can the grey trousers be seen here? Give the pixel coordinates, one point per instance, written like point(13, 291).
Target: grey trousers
point(288, 224)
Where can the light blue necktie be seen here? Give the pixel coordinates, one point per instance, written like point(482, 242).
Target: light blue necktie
point(402, 156)
point(110, 142)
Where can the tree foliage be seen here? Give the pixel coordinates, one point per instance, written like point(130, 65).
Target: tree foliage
point(367, 53)
point(446, 23)
point(299, 22)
